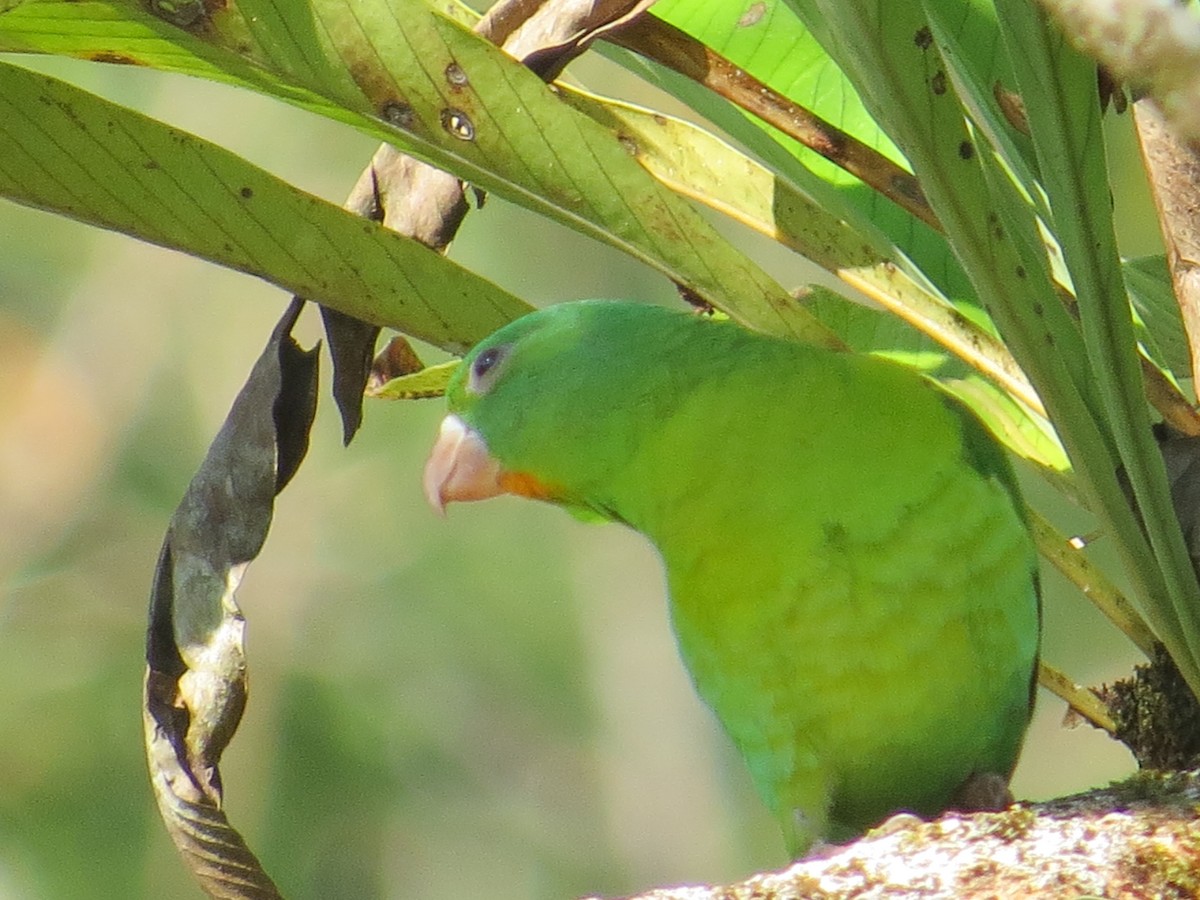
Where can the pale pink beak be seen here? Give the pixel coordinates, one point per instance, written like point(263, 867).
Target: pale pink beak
point(460, 467)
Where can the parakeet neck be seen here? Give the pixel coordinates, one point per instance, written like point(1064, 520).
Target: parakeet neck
point(663, 485)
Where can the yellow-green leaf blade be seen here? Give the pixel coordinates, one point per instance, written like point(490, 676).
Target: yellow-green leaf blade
point(66, 150)
point(493, 122)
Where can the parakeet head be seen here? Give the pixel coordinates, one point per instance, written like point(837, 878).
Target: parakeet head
point(551, 405)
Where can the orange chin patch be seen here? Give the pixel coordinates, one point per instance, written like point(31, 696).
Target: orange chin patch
point(525, 485)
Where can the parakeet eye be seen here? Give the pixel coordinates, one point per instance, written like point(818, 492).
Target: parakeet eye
point(484, 369)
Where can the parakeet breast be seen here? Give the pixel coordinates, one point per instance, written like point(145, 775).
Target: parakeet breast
point(854, 601)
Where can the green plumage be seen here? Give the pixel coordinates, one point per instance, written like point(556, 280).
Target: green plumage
point(851, 582)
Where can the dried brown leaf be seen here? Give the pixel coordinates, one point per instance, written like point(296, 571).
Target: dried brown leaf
point(395, 360)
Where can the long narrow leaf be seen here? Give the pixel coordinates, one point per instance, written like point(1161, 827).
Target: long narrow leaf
point(1059, 87)
point(402, 71)
point(66, 150)
point(781, 51)
point(889, 52)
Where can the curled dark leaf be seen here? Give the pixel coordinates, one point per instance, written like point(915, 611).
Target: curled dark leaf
point(195, 689)
point(351, 345)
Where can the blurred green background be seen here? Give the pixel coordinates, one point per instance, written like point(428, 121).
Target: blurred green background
point(485, 705)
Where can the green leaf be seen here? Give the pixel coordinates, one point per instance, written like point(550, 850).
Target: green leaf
point(1059, 88)
point(423, 385)
point(402, 71)
point(866, 330)
point(1149, 283)
point(888, 52)
point(780, 51)
point(1026, 434)
point(777, 49)
point(976, 86)
point(700, 165)
point(69, 151)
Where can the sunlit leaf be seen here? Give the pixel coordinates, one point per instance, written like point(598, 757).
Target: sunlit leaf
point(1149, 284)
point(1059, 89)
point(422, 385)
point(700, 165)
point(66, 150)
point(401, 71)
point(781, 51)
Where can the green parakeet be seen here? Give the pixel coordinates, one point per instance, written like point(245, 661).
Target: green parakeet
point(851, 582)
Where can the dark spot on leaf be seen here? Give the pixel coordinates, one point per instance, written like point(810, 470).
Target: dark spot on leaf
point(246, 193)
point(753, 15)
point(909, 187)
point(659, 119)
point(966, 150)
point(399, 114)
point(1021, 274)
point(458, 124)
point(938, 82)
point(150, 164)
point(1012, 107)
point(183, 13)
point(694, 300)
point(118, 59)
point(630, 145)
point(456, 76)
point(923, 38)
